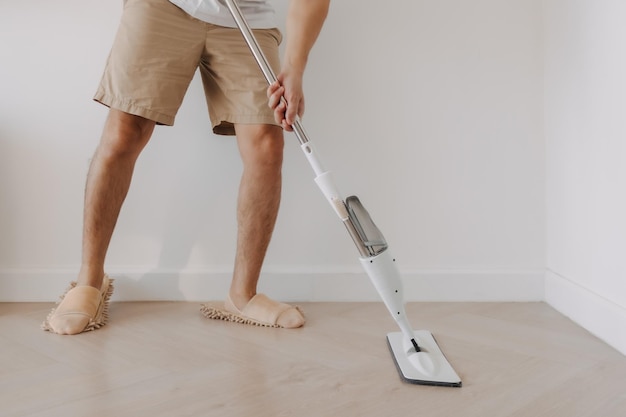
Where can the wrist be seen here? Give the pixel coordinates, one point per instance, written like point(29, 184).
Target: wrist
point(293, 64)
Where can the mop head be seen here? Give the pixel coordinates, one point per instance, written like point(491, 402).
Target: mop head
point(429, 366)
point(260, 311)
point(79, 304)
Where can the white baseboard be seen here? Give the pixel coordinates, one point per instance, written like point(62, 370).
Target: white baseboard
point(601, 317)
point(295, 284)
point(598, 315)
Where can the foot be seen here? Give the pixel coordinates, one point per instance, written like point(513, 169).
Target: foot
point(265, 310)
point(82, 308)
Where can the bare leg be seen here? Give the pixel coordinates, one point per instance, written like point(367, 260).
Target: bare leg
point(123, 138)
point(111, 169)
point(261, 148)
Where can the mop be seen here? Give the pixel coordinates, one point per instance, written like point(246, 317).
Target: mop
point(416, 353)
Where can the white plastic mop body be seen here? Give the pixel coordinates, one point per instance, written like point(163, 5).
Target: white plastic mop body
point(416, 353)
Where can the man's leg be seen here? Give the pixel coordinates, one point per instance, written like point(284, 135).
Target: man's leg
point(123, 138)
point(261, 149)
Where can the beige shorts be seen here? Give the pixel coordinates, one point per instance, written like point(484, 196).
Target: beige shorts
point(156, 52)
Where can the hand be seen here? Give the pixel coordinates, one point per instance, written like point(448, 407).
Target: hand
point(288, 86)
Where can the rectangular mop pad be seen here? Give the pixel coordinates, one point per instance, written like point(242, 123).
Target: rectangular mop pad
point(427, 367)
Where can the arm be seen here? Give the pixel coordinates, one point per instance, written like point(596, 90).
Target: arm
point(305, 19)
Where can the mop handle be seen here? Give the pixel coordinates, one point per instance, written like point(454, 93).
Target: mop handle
point(270, 77)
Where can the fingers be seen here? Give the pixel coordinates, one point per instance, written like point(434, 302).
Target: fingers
point(280, 116)
point(286, 104)
point(294, 109)
point(274, 92)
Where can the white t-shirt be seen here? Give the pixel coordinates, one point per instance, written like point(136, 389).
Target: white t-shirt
point(258, 13)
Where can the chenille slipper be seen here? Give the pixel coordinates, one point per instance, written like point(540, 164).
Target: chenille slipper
point(81, 309)
point(260, 311)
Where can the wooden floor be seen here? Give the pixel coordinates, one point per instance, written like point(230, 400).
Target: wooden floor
point(164, 359)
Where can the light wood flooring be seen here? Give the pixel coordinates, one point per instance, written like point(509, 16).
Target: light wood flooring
point(164, 359)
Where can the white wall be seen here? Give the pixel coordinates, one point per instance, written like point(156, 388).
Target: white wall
point(585, 112)
point(430, 111)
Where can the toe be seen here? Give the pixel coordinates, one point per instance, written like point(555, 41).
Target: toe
point(291, 319)
point(69, 323)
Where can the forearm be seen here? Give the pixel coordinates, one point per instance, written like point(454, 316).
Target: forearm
point(305, 19)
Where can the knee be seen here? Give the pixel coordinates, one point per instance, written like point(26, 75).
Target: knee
point(261, 146)
point(124, 135)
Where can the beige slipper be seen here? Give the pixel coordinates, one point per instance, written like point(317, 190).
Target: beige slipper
point(81, 309)
point(260, 311)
